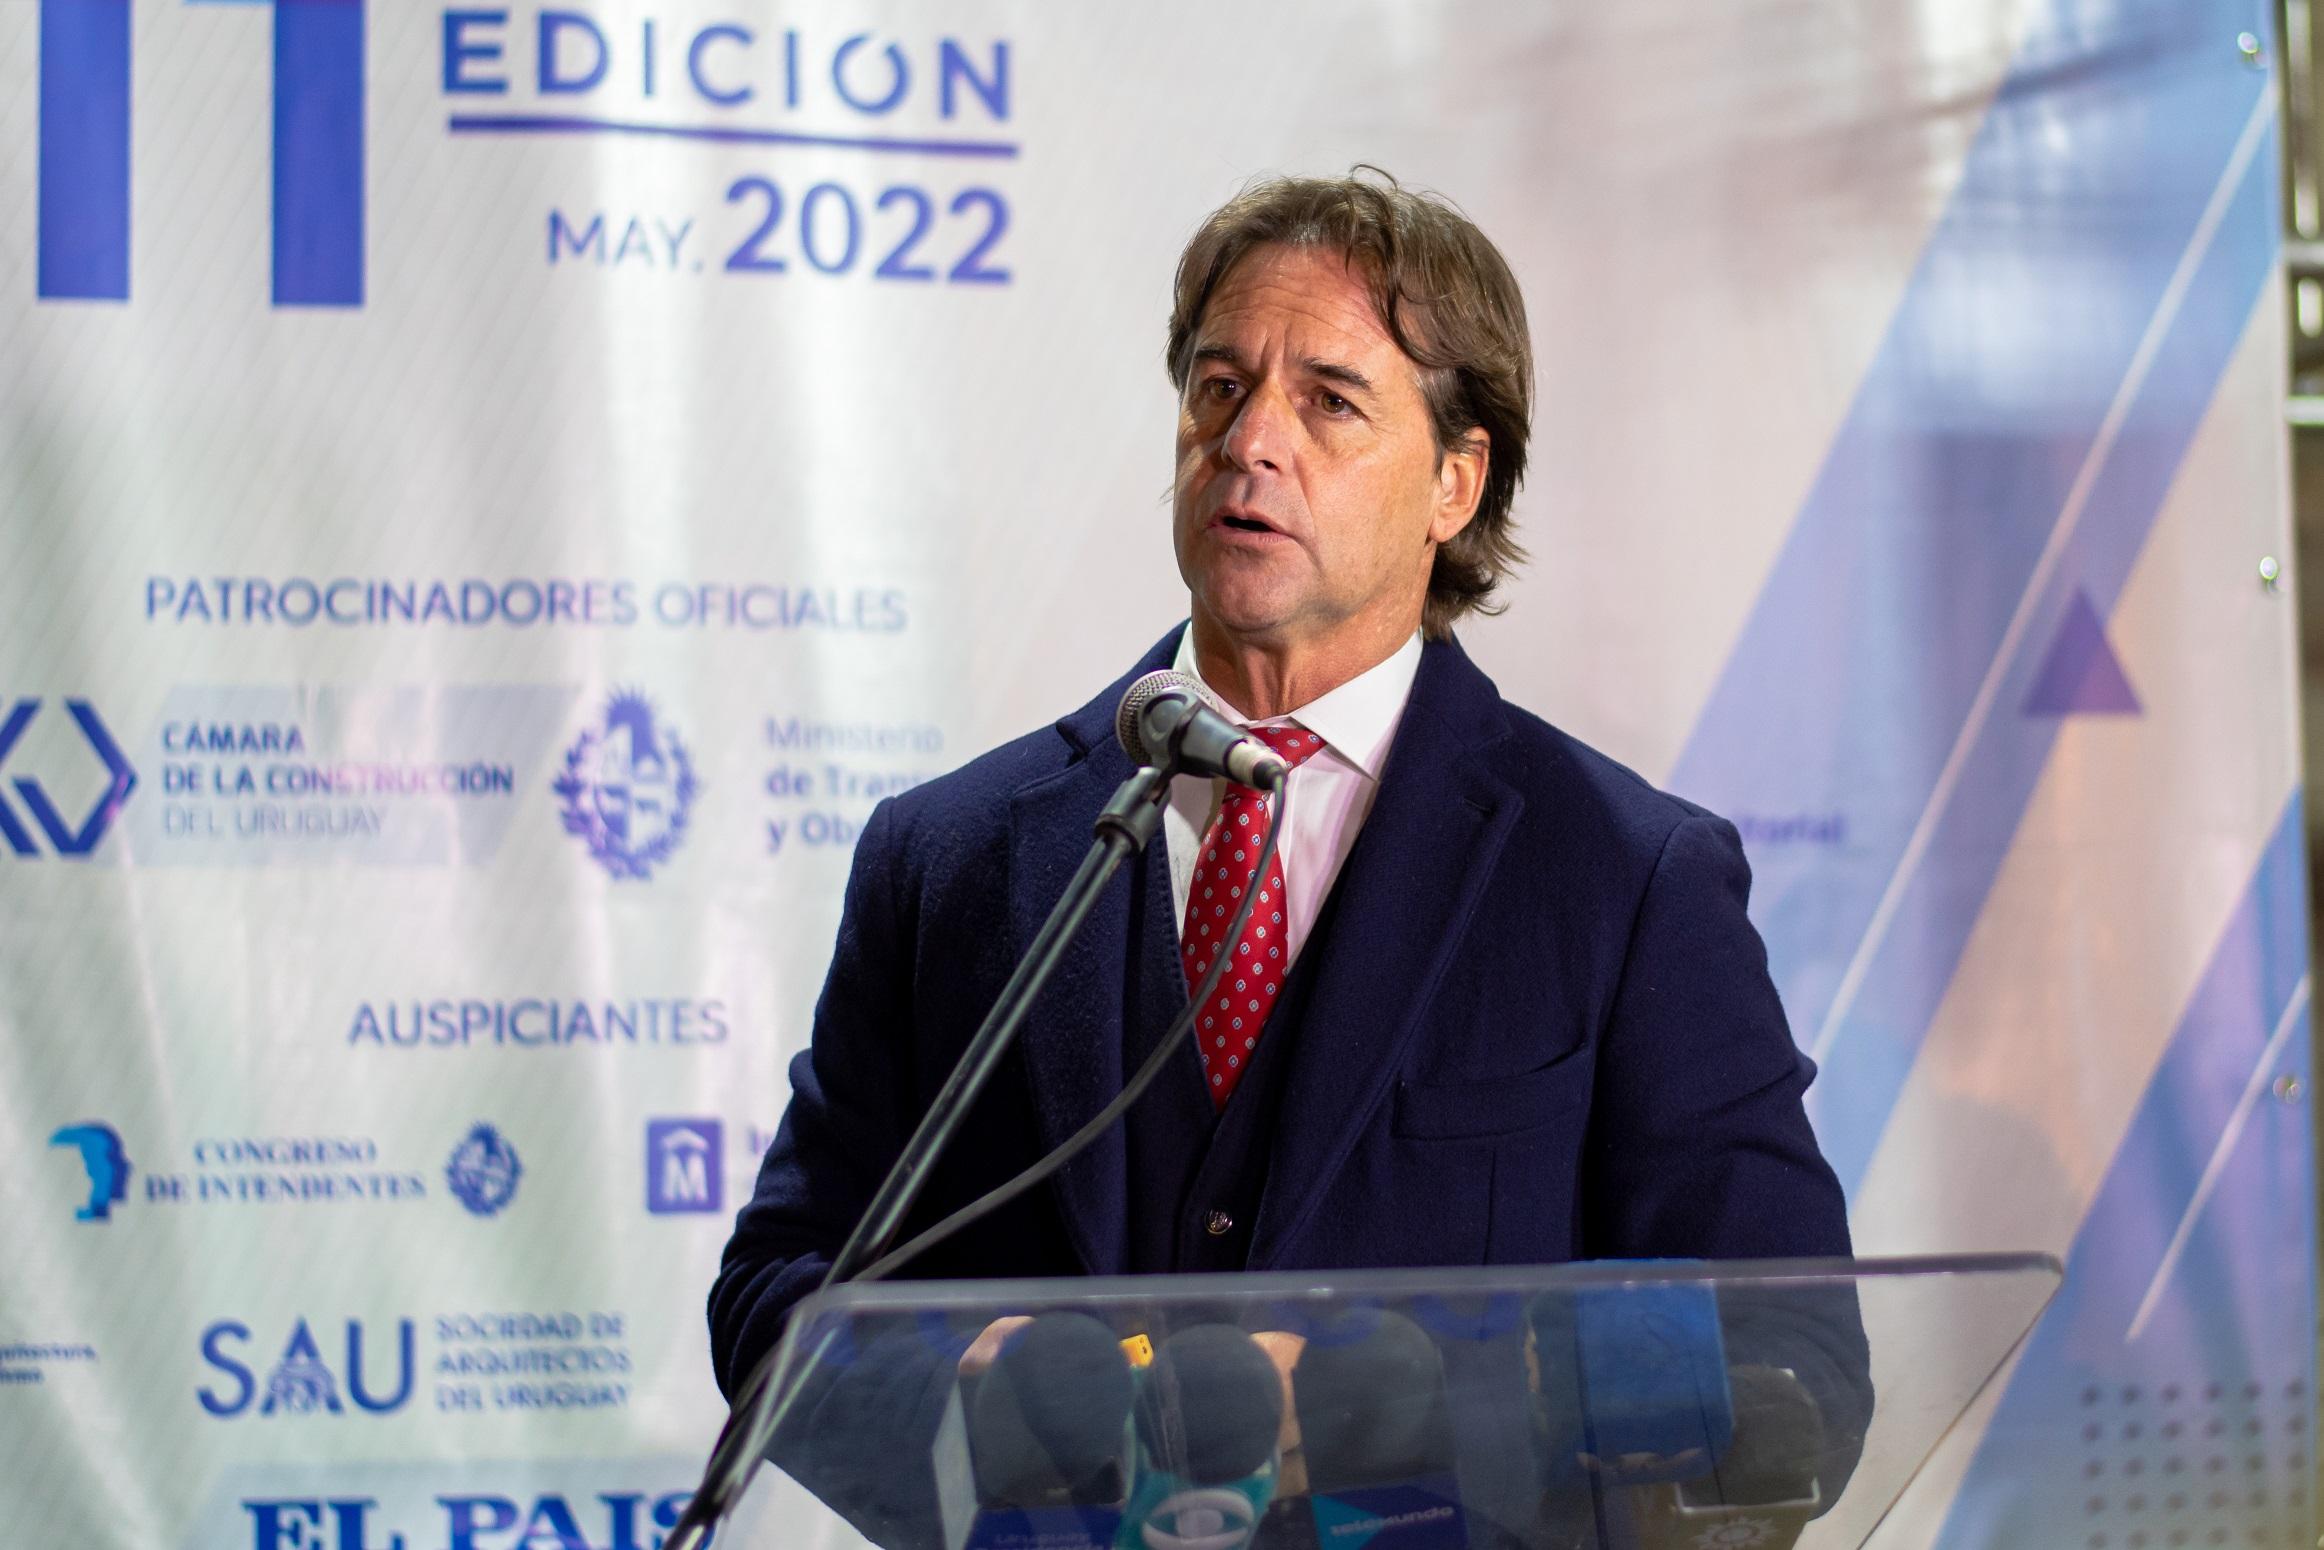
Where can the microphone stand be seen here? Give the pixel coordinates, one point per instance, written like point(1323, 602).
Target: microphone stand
point(1123, 829)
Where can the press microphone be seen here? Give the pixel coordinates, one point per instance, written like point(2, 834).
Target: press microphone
point(1375, 1427)
point(1630, 1383)
point(1038, 1450)
point(1647, 1430)
point(1208, 1418)
point(1165, 717)
point(1763, 1491)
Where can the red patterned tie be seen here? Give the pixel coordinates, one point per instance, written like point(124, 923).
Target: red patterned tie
point(1229, 864)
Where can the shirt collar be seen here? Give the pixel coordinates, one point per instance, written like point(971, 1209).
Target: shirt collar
point(1357, 720)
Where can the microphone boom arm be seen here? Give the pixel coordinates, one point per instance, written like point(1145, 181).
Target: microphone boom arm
point(1123, 829)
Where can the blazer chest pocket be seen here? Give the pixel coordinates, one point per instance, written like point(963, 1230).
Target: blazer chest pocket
point(1494, 1108)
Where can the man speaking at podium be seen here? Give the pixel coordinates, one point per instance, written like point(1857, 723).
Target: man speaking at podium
point(1505, 1005)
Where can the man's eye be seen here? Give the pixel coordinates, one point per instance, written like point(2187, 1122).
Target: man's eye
point(1334, 404)
point(1219, 388)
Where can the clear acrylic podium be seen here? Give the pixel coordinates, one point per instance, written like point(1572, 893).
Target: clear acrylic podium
point(1739, 1406)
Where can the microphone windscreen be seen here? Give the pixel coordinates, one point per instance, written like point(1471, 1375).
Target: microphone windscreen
point(1211, 1406)
point(1052, 1414)
point(1779, 1437)
point(1370, 1395)
point(1134, 702)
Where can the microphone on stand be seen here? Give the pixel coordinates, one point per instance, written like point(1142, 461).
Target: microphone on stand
point(1650, 1434)
point(1209, 1418)
point(1375, 1426)
point(1630, 1383)
point(1166, 720)
point(1763, 1491)
point(1163, 712)
point(1038, 1449)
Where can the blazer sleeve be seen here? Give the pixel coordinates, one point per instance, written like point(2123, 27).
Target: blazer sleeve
point(1699, 1146)
point(847, 1120)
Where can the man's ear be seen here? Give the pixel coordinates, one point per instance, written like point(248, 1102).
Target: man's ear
point(1460, 485)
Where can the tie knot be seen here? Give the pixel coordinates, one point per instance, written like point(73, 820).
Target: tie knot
point(1295, 743)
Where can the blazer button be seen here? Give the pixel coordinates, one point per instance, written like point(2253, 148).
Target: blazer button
point(1218, 1224)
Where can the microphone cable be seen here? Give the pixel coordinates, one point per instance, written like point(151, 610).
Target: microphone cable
point(1080, 1141)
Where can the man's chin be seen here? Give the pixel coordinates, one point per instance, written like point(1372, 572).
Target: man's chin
point(1254, 599)
point(1253, 622)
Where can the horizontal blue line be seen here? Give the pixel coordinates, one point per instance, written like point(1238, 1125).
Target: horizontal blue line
point(538, 124)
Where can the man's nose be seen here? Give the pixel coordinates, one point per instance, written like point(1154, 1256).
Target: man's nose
point(1258, 437)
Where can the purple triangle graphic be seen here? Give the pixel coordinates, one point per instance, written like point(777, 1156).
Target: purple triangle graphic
point(2081, 676)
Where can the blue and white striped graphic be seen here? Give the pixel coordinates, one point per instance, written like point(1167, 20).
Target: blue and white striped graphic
point(1937, 615)
point(1996, 479)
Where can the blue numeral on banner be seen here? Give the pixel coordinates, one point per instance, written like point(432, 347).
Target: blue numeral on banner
point(84, 150)
point(318, 153)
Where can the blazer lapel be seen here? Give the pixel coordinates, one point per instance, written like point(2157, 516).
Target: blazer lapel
point(1071, 1041)
point(1401, 904)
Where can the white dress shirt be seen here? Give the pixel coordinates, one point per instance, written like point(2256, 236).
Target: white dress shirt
point(1330, 794)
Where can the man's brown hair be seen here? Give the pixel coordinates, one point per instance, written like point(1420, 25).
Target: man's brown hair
point(1447, 298)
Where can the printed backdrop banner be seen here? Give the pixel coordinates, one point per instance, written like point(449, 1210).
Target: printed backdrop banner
point(495, 494)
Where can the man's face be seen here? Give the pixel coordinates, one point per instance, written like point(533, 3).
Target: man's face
point(1310, 496)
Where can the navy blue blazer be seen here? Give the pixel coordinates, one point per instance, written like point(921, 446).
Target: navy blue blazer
point(1540, 1027)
